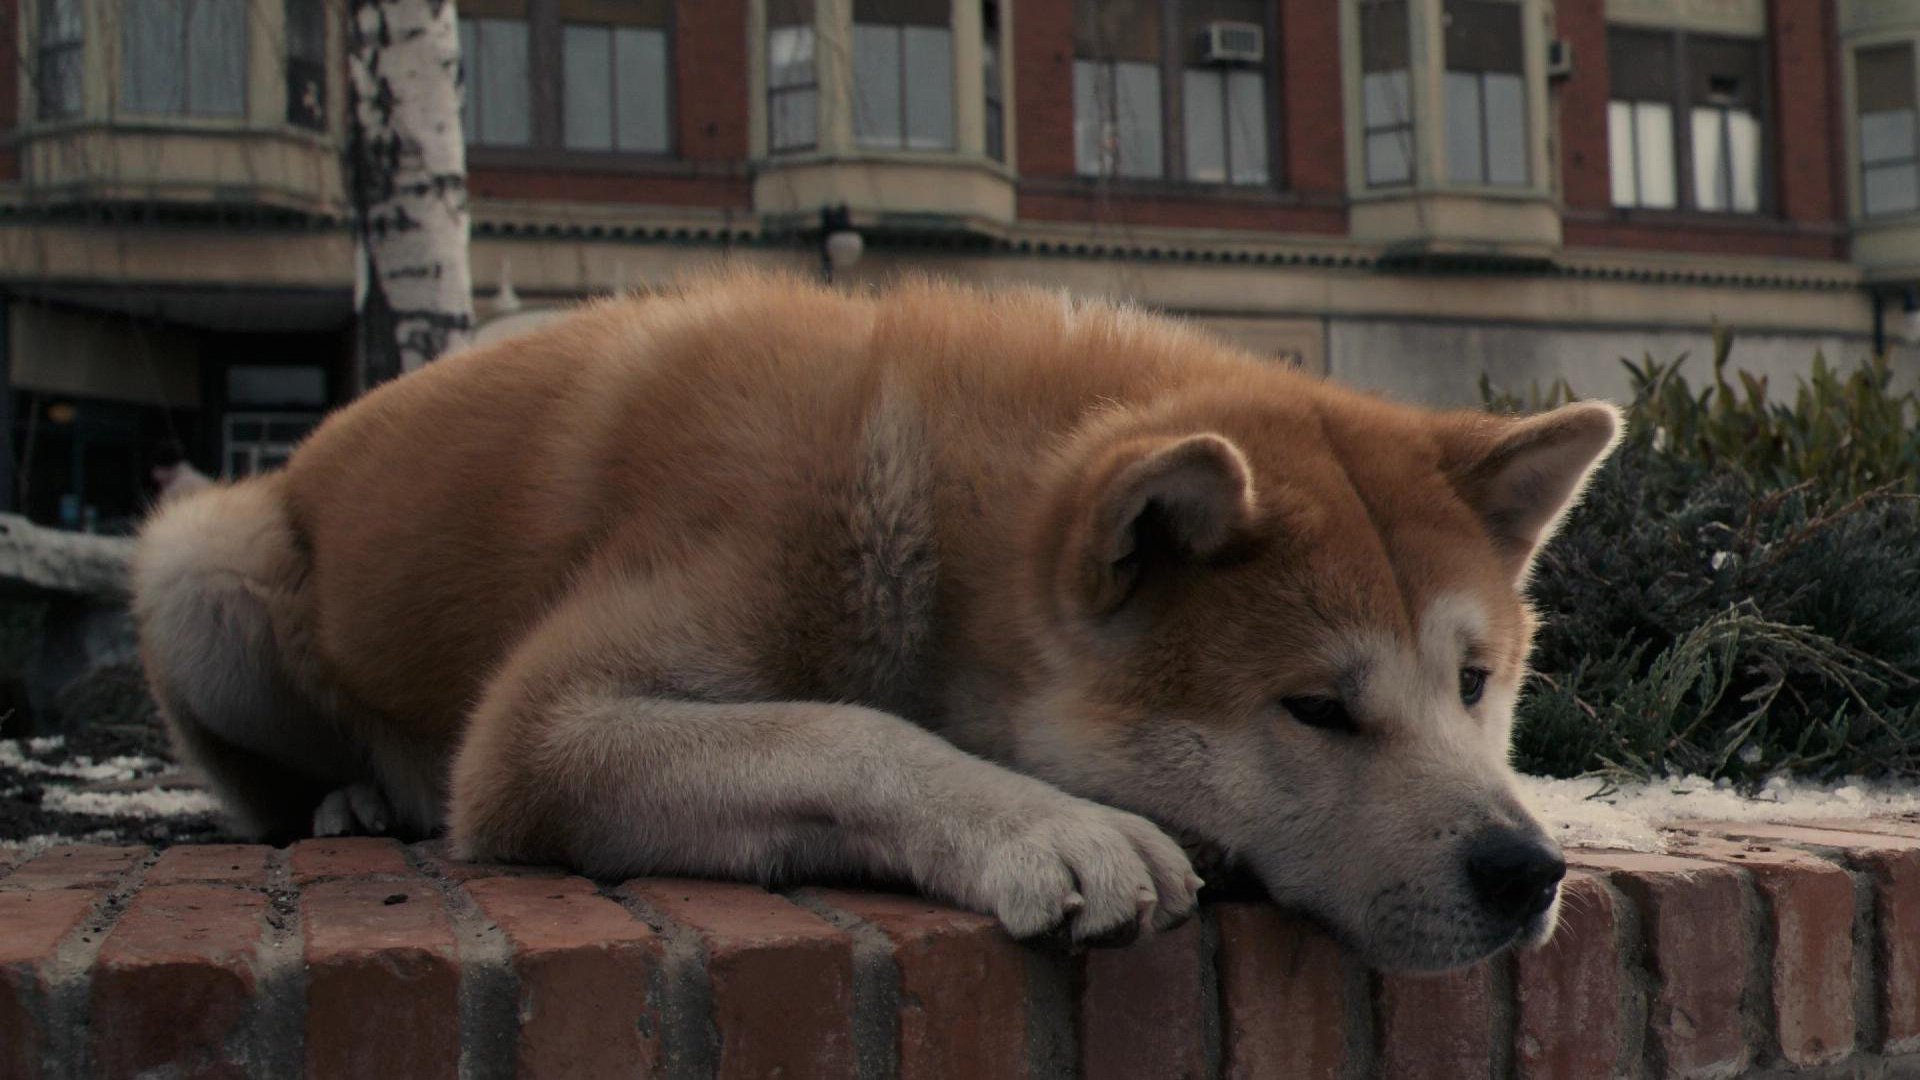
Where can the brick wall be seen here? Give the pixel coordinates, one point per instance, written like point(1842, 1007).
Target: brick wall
point(1749, 947)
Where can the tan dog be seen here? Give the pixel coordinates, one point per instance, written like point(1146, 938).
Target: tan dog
point(765, 581)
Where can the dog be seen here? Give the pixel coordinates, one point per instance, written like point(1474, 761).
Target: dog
point(1002, 595)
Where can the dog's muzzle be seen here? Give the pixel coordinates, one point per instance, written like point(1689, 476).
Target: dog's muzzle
point(1515, 874)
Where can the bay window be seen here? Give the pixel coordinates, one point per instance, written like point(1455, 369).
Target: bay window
point(793, 85)
point(307, 63)
point(903, 74)
point(184, 57)
point(60, 59)
point(1386, 93)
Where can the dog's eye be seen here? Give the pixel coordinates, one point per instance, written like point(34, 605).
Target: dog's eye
point(1473, 684)
point(1325, 713)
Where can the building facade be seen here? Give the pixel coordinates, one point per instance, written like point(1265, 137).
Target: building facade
point(1404, 194)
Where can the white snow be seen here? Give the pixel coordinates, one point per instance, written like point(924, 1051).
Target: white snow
point(80, 767)
point(153, 803)
point(1598, 814)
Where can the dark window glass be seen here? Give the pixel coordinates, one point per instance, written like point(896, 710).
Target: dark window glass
point(793, 88)
point(1889, 121)
point(307, 63)
point(58, 77)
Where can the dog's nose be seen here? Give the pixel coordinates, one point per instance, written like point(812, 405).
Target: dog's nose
point(1514, 874)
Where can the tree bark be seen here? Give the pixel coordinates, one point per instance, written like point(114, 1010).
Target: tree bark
point(413, 293)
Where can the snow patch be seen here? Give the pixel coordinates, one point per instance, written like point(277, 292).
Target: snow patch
point(1596, 813)
point(155, 803)
point(121, 767)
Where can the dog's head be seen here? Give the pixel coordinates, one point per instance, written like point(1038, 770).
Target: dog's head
point(1294, 629)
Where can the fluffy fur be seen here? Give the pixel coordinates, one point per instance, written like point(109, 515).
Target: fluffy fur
point(761, 580)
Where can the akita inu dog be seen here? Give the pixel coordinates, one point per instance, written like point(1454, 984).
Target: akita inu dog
point(980, 592)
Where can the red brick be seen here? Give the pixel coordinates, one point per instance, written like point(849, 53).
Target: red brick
point(1282, 996)
point(75, 866)
point(435, 859)
point(35, 925)
point(1139, 1012)
point(382, 982)
point(710, 50)
point(1810, 905)
point(781, 977)
point(1434, 1026)
point(1567, 992)
point(583, 964)
point(1043, 88)
point(1582, 104)
point(963, 986)
point(1693, 923)
point(347, 857)
point(211, 864)
point(1806, 119)
point(1312, 118)
point(1893, 862)
point(173, 983)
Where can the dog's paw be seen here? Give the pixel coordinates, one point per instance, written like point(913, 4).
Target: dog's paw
point(355, 810)
point(1103, 874)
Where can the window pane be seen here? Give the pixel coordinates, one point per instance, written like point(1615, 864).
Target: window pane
point(1247, 126)
point(1390, 157)
point(640, 59)
point(1724, 72)
point(1383, 35)
point(1136, 97)
point(1890, 189)
point(217, 60)
point(903, 12)
point(1506, 104)
point(1712, 182)
point(504, 115)
point(1464, 134)
point(1483, 35)
point(587, 96)
point(1883, 78)
point(151, 49)
point(1887, 136)
point(60, 21)
point(990, 58)
point(307, 29)
point(790, 57)
point(929, 87)
point(1388, 99)
point(1092, 88)
point(1117, 29)
point(470, 76)
point(876, 85)
point(1659, 179)
point(1620, 153)
point(793, 116)
point(60, 82)
point(1743, 132)
point(1204, 106)
point(1640, 65)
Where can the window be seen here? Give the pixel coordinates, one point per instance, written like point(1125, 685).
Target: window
point(990, 57)
point(903, 74)
point(615, 95)
point(1485, 93)
point(1725, 120)
point(1889, 130)
point(1386, 93)
point(793, 88)
point(1683, 121)
point(1640, 146)
point(184, 57)
point(258, 442)
point(493, 55)
point(1116, 89)
point(60, 59)
point(307, 63)
point(1223, 104)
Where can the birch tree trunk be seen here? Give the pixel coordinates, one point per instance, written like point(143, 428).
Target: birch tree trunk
point(413, 294)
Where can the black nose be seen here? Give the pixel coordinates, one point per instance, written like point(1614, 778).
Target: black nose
point(1514, 875)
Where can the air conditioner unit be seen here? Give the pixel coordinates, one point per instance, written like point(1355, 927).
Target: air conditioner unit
point(1234, 43)
point(1559, 58)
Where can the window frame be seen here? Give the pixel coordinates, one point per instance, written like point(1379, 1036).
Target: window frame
point(1481, 76)
point(1404, 127)
point(776, 91)
point(1857, 152)
point(903, 76)
point(1683, 102)
point(1171, 62)
point(472, 72)
point(669, 99)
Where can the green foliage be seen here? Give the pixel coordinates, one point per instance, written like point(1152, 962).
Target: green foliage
point(1739, 594)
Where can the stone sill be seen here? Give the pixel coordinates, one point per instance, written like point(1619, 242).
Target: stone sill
point(1748, 949)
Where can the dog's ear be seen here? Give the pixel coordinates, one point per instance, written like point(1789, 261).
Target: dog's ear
point(1155, 502)
point(1523, 475)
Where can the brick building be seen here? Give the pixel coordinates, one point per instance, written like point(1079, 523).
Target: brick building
point(1401, 193)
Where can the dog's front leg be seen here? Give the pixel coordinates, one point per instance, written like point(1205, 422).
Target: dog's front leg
point(623, 785)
